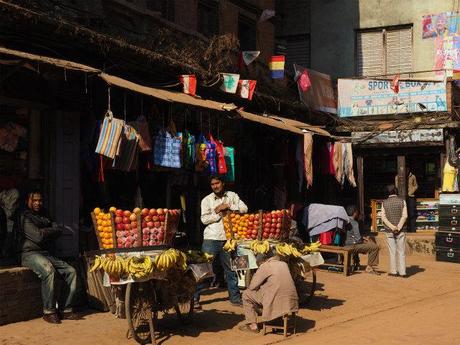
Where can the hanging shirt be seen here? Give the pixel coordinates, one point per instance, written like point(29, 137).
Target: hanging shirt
point(215, 226)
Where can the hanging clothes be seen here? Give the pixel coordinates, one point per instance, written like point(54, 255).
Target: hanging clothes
point(229, 153)
point(338, 162)
point(211, 156)
point(326, 154)
point(126, 158)
point(300, 161)
point(200, 154)
point(308, 161)
point(449, 177)
point(348, 163)
point(220, 157)
point(188, 150)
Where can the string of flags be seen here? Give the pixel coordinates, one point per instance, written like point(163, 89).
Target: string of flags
point(188, 82)
point(276, 66)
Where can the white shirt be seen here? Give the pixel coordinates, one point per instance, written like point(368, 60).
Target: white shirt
point(215, 225)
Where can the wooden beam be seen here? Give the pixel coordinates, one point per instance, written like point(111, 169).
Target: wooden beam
point(360, 166)
point(402, 181)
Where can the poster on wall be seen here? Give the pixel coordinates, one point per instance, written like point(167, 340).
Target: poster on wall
point(447, 54)
point(319, 95)
point(439, 25)
point(365, 97)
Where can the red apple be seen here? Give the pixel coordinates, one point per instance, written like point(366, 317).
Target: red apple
point(151, 243)
point(161, 237)
point(146, 231)
point(126, 220)
point(120, 226)
point(144, 212)
point(126, 213)
point(278, 226)
point(162, 218)
point(254, 236)
point(145, 237)
point(156, 224)
point(160, 211)
point(254, 232)
point(152, 212)
point(137, 243)
point(133, 225)
point(118, 233)
point(119, 242)
point(127, 226)
point(118, 220)
point(150, 224)
point(144, 225)
point(119, 213)
point(155, 218)
point(132, 217)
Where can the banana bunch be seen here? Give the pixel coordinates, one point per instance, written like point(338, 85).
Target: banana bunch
point(195, 257)
point(230, 245)
point(260, 247)
point(313, 247)
point(140, 266)
point(114, 266)
point(283, 249)
point(208, 257)
point(170, 258)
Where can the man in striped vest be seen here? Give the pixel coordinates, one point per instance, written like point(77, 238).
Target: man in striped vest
point(394, 215)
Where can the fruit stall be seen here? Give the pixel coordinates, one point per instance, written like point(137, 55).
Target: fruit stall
point(135, 250)
point(252, 234)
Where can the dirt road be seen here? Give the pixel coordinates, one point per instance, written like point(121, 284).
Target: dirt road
point(360, 309)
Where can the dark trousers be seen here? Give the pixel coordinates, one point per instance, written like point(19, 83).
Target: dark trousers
point(411, 214)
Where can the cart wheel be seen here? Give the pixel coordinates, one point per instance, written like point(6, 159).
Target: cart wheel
point(310, 280)
point(139, 299)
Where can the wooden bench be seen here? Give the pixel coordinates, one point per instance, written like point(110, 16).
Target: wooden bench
point(338, 250)
point(285, 323)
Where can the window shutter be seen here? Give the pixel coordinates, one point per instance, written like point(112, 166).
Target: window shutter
point(369, 53)
point(399, 50)
point(298, 51)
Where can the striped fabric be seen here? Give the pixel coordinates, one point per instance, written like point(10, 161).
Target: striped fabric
point(127, 152)
point(167, 150)
point(110, 135)
point(276, 66)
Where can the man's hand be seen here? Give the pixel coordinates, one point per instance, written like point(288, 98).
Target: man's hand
point(222, 208)
point(365, 239)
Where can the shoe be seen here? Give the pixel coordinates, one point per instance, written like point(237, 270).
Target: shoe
point(52, 318)
point(237, 303)
point(246, 328)
point(393, 274)
point(69, 316)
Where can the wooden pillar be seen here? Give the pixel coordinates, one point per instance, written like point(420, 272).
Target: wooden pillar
point(360, 166)
point(34, 161)
point(402, 181)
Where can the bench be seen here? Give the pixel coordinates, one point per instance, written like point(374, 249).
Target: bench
point(285, 323)
point(338, 250)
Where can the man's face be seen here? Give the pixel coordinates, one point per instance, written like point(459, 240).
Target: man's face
point(36, 202)
point(217, 186)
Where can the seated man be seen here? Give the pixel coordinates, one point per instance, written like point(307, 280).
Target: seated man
point(38, 236)
point(360, 245)
point(271, 289)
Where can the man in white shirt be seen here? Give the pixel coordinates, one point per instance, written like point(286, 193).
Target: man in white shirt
point(213, 209)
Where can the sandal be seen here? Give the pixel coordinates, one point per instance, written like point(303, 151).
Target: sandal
point(372, 271)
point(246, 328)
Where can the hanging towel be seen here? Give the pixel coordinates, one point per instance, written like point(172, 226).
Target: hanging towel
point(110, 135)
point(348, 164)
point(308, 163)
point(338, 162)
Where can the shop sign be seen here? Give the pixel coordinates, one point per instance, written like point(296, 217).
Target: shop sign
point(320, 95)
point(401, 136)
point(364, 97)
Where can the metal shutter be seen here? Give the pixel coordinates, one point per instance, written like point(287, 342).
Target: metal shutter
point(399, 50)
point(298, 51)
point(369, 53)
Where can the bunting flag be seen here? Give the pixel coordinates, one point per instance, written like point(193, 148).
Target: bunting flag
point(189, 83)
point(395, 84)
point(276, 66)
point(249, 56)
point(230, 82)
point(303, 80)
point(246, 88)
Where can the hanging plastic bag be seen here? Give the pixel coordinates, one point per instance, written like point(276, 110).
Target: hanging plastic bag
point(126, 156)
point(211, 156)
point(200, 153)
point(188, 149)
point(229, 153)
point(110, 135)
point(167, 150)
point(220, 156)
point(142, 127)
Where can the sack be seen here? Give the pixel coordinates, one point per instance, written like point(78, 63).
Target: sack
point(220, 157)
point(229, 153)
point(110, 136)
point(211, 156)
point(142, 127)
point(167, 150)
point(200, 153)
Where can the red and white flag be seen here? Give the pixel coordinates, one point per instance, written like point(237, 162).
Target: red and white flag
point(395, 84)
point(246, 88)
point(189, 83)
point(303, 80)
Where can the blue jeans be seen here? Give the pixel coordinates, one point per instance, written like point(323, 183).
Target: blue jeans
point(47, 267)
point(216, 248)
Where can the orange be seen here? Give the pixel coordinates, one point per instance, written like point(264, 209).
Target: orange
point(97, 210)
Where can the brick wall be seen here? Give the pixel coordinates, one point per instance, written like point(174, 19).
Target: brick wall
point(20, 297)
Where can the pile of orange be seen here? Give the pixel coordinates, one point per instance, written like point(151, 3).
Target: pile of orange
point(104, 228)
point(243, 226)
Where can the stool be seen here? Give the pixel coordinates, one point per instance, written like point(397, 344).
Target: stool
point(285, 323)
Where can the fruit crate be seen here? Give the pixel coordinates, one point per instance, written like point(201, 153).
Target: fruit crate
point(158, 226)
point(104, 228)
point(262, 225)
point(127, 228)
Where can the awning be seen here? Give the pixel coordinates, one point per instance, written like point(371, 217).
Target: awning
point(169, 96)
point(293, 126)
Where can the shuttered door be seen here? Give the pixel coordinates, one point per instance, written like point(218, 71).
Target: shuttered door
point(399, 50)
point(298, 52)
point(369, 53)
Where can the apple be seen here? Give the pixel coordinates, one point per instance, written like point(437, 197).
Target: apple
point(155, 218)
point(127, 226)
point(118, 233)
point(126, 220)
point(148, 219)
point(146, 231)
point(254, 236)
point(150, 224)
point(274, 220)
point(133, 225)
point(145, 237)
point(162, 218)
point(278, 226)
point(165, 210)
point(137, 210)
point(144, 212)
point(152, 212)
point(126, 213)
point(132, 217)
point(254, 232)
point(128, 244)
point(120, 226)
point(161, 228)
point(119, 242)
point(144, 225)
point(156, 224)
point(137, 243)
point(151, 243)
point(160, 211)
point(118, 220)
point(161, 237)
point(119, 213)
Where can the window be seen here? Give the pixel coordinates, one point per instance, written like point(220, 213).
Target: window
point(208, 17)
point(247, 33)
point(384, 51)
point(165, 7)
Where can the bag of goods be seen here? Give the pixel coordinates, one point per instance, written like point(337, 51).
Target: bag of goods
point(275, 225)
point(103, 226)
point(127, 228)
point(243, 226)
point(158, 226)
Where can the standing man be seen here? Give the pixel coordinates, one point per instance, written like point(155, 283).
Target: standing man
point(360, 245)
point(38, 236)
point(412, 187)
point(213, 209)
point(394, 215)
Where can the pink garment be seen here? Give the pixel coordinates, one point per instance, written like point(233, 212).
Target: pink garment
point(327, 237)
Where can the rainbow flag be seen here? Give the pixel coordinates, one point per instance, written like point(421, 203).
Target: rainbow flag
point(276, 66)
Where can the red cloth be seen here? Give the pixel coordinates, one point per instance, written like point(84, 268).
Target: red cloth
point(326, 159)
point(220, 156)
point(327, 237)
